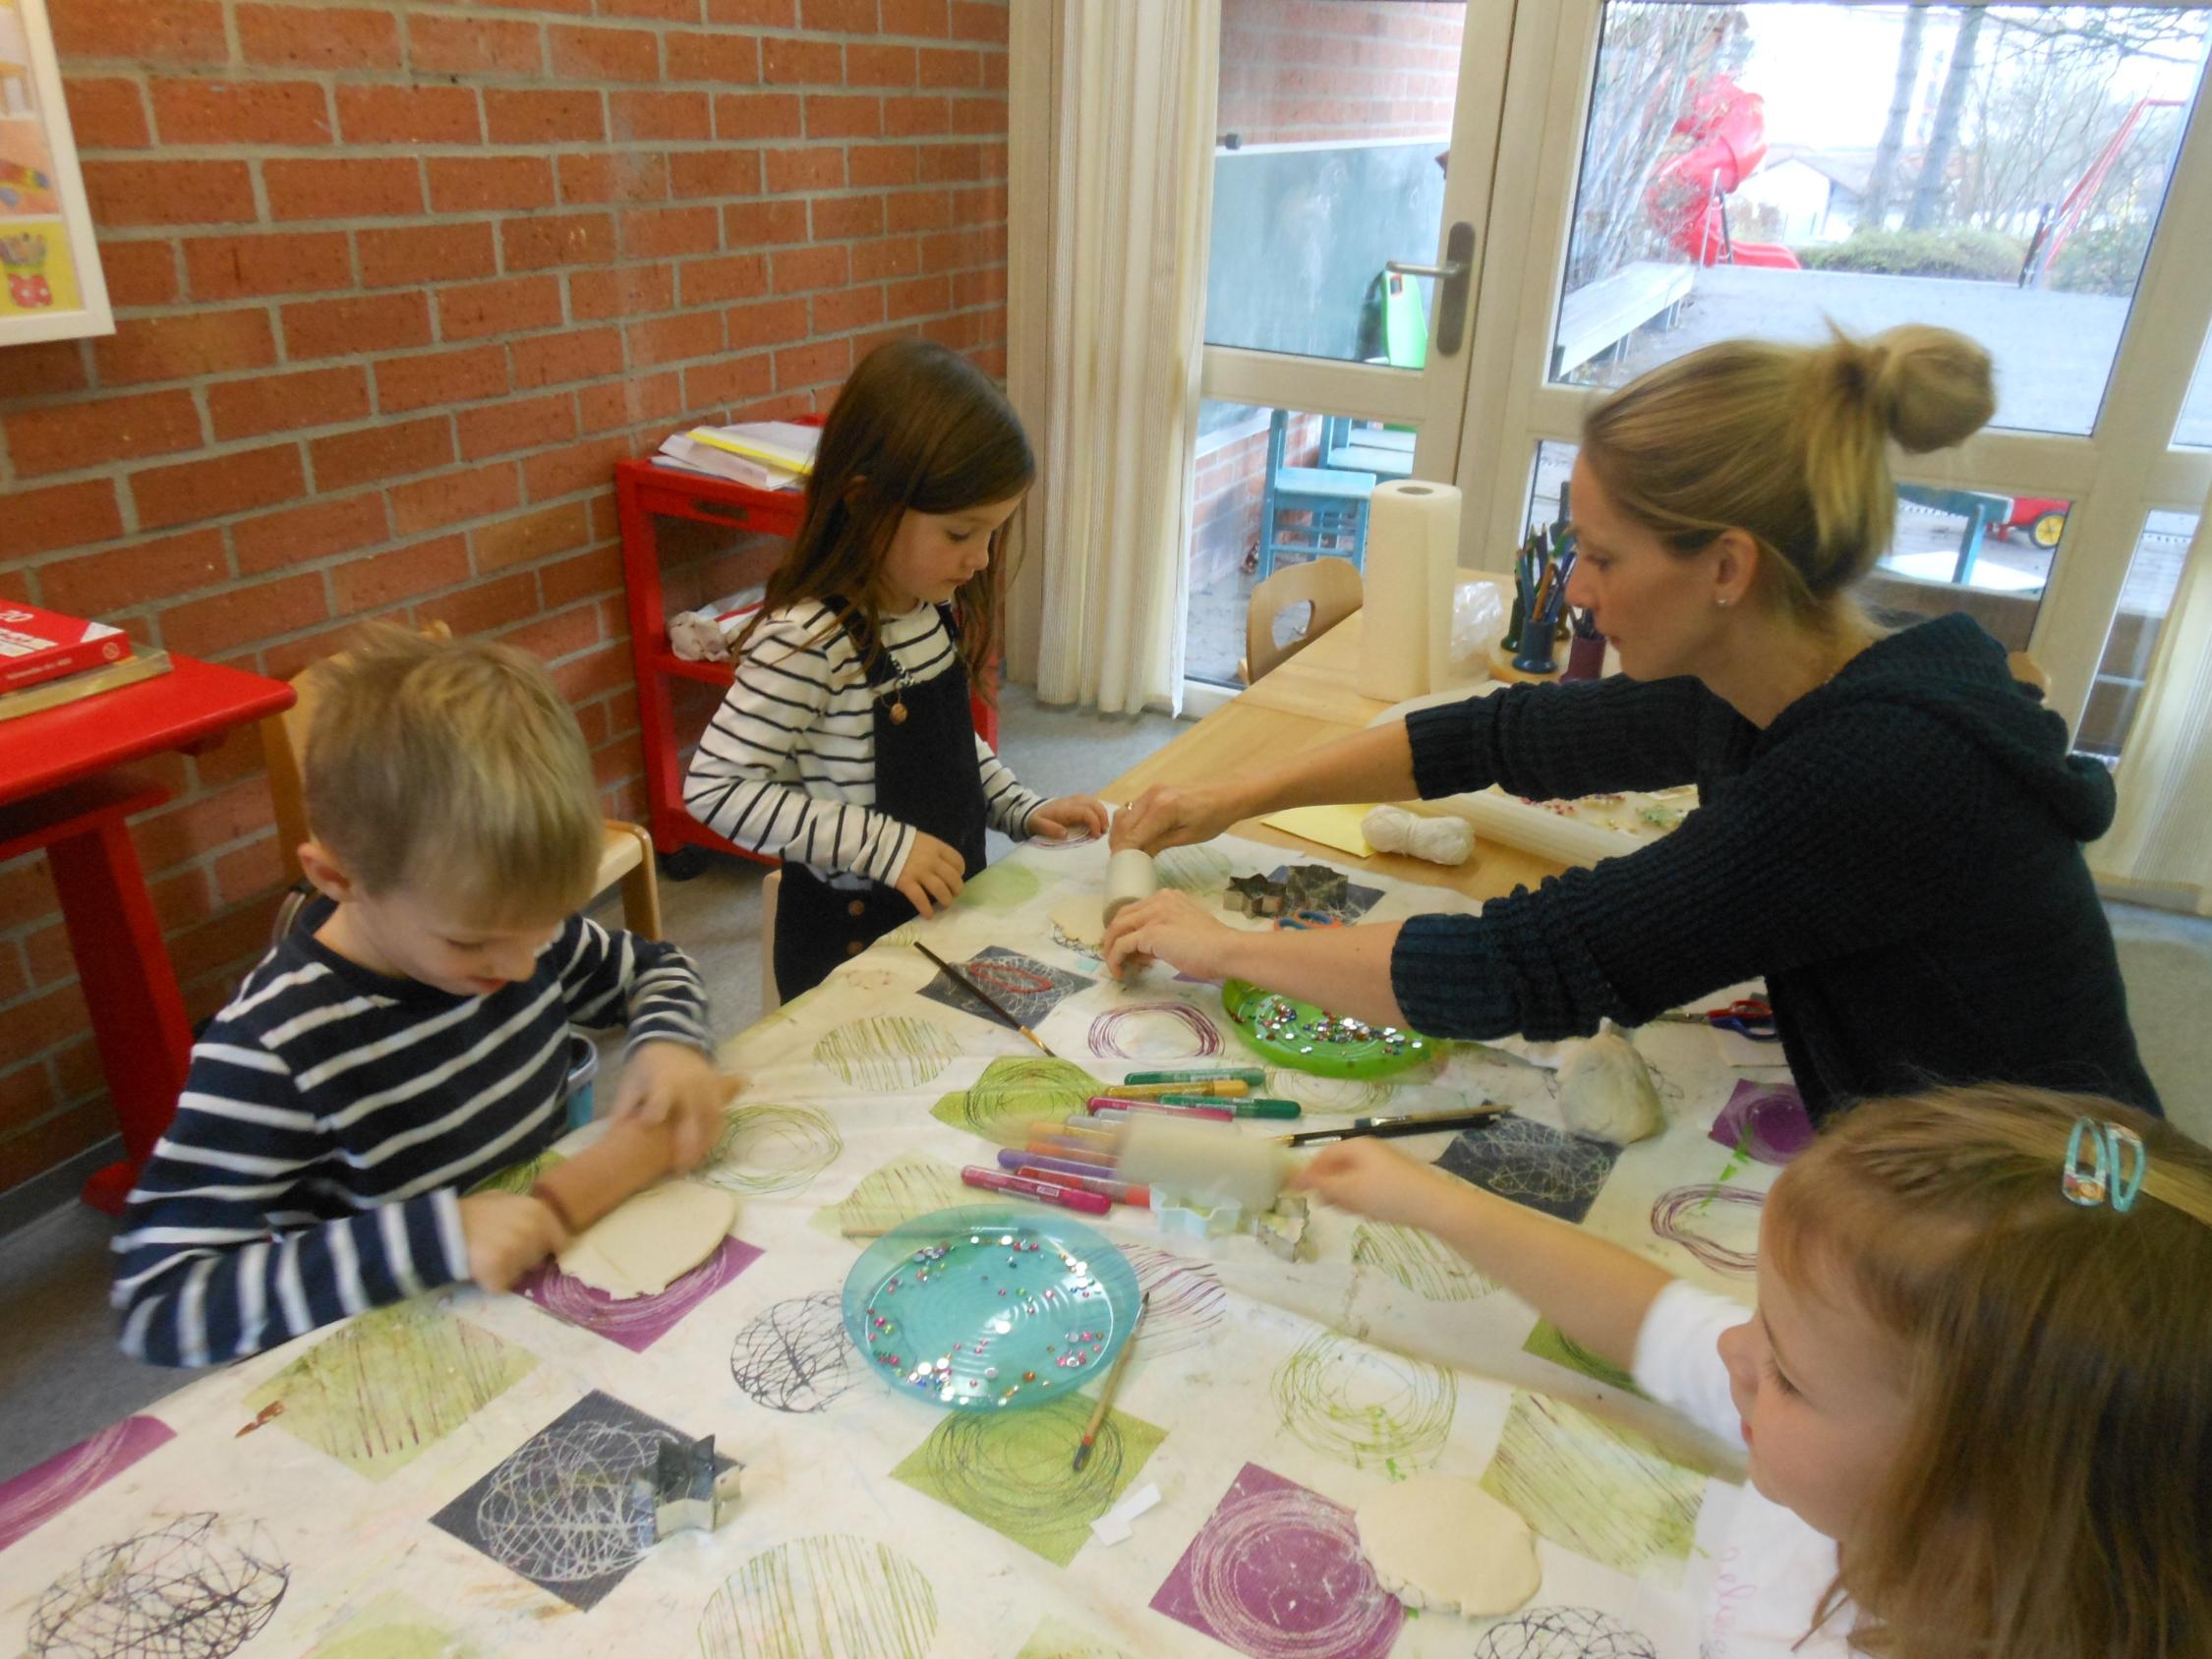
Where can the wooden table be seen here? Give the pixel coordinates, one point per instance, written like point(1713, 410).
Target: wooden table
point(63, 791)
point(1309, 700)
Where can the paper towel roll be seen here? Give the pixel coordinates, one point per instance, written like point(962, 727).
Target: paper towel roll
point(1412, 563)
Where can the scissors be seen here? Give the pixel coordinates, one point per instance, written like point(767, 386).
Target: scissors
point(1747, 1016)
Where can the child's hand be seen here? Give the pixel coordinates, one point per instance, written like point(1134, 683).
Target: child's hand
point(1067, 815)
point(1170, 927)
point(507, 1236)
point(676, 1086)
point(934, 874)
point(1369, 1178)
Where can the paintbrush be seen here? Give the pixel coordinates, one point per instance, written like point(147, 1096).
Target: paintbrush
point(1113, 1382)
point(985, 997)
point(1437, 1122)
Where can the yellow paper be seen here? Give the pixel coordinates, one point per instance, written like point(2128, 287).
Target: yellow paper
point(1331, 826)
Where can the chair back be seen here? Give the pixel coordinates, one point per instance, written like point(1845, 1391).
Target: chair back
point(1330, 585)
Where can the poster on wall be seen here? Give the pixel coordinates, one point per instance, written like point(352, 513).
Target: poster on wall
point(50, 286)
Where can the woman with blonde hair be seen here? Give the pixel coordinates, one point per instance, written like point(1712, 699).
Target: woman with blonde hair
point(1889, 829)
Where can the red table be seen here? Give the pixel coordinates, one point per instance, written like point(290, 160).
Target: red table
point(61, 791)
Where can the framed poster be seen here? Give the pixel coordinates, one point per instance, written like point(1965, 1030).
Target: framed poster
point(50, 285)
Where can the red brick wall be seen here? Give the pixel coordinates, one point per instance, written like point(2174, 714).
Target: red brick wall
point(396, 285)
point(1307, 70)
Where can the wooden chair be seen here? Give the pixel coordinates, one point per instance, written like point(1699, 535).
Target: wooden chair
point(1330, 585)
point(627, 856)
point(1334, 504)
point(2028, 671)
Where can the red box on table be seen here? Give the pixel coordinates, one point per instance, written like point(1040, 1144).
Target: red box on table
point(37, 645)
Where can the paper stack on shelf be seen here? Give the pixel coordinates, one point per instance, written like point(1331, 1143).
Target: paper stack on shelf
point(765, 454)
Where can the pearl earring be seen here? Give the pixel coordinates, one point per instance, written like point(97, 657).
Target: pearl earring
point(1722, 603)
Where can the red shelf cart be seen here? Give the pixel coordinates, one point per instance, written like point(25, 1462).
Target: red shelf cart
point(644, 494)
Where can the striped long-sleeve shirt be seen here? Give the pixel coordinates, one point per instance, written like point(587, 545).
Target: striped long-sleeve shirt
point(789, 765)
point(331, 1119)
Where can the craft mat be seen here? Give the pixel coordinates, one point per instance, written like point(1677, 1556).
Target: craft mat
point(857, 1531)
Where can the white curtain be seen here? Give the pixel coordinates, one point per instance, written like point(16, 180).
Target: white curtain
point(2160, 849)
point(1132, 202)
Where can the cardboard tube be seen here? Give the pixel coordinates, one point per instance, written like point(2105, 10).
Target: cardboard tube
point(1131, 875)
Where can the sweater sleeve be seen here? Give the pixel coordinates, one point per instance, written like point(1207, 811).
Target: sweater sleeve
point(744, 781)
point(620, 979)
point(1006, 802)
point(207, 1274)
point(1839, 841)
point(1554, 742)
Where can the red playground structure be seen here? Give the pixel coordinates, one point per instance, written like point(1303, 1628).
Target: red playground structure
point(1726, 132)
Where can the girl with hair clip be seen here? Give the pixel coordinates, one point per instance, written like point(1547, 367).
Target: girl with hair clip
point(1891, 826)
point(845, 745)
point(1975, 1396)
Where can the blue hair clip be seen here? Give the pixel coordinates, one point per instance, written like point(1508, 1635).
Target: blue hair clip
point(2108, 1175)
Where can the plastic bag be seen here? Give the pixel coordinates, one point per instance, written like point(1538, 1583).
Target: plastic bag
point(1478, 624)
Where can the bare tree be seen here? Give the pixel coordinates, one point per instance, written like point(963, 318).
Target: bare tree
point(1874, 207)
point(1942, 135)
point(1649, 63)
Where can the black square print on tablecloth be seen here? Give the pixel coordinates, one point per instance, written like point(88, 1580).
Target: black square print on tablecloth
point(558, 1508)
point(1026, 988)
point(1532, 1163)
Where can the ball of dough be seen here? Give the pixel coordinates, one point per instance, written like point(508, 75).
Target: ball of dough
point(1605, 1092)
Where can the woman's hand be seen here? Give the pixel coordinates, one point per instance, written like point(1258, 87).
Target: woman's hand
point(1067, 815)
point(933, 875)
point(1369, 1179)
point(1170, 927)
point(1177, 814)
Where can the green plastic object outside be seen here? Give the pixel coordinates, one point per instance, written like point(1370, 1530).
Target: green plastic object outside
point(1243, 1002)
point(1405, 326)
point(990, 1307)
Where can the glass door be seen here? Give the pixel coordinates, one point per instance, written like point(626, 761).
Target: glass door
point(2035, 176)
point(1353, 174)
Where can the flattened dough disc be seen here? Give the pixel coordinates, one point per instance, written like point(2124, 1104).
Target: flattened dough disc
point(644, 1246)
point(1440, 1541)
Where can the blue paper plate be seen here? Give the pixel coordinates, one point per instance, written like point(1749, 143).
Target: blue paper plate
point(990, 1307)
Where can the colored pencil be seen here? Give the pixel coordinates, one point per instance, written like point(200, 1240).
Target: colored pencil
point(1113, 1382)
point(992, 1002)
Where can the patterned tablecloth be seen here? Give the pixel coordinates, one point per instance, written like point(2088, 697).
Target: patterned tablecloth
point(445, 1477)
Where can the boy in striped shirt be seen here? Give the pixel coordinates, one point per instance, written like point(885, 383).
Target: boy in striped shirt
point(409, 1035)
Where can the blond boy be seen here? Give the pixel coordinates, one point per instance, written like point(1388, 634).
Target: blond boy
point(409, 1035)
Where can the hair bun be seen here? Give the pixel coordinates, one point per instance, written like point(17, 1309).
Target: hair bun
point(1929, 387)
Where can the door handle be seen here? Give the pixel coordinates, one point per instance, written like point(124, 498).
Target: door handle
point(1453, 276)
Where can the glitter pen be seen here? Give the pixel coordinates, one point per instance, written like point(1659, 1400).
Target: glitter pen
point(1074, 1152)
point(1117, 1103)
point(1049, 1192)
point(1120, 1192)
point(1252, 1076)
point(1244, 1106)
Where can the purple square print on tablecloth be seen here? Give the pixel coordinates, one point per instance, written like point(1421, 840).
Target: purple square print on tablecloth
point(637, 1322)
point(1276, 1573)
point(36, 1495)
point(1767, 1121)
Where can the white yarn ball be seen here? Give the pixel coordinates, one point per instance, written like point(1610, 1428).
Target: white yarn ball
point(1440, 840)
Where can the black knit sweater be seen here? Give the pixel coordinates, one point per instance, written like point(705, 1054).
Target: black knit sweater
point(1899, 855)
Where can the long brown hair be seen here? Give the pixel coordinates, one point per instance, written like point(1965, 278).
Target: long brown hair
point(917, 429)
point(2052, 1498)
point(1788, 443)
